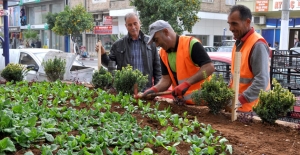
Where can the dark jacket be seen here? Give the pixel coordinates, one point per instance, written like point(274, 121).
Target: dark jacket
point(121, 54)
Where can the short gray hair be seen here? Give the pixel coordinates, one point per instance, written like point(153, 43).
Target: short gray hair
point(131, 14)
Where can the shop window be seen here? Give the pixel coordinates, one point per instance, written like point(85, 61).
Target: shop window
point(230, 2)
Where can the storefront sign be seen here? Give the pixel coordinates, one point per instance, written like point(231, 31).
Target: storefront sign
point(103, 30)
point(107, 20)
point(98, 1)
point(262, 6)
point(294, 5)
point(14, 29)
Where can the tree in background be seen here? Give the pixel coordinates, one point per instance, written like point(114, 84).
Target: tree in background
point(71, 21)
point(29, 36)
point(181, 14)
point(51, 18)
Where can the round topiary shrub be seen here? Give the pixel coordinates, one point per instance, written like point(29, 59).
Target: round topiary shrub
point(126, 78)
point(274, 104)
point(216, 93)
point(14, 72)
point(102, 79)
point(54, 68)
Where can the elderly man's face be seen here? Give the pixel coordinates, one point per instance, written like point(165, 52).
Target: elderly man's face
point(133, 26)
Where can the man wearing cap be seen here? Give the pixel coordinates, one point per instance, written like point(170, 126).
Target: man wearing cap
point(185, 64)
point(133, 49)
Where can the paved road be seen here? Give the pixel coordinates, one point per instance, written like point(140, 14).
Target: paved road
point(90, 62)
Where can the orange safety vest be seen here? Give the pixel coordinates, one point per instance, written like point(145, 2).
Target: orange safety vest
point(246, 75)
point(185, 67)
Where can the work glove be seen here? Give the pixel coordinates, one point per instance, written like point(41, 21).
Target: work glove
point(149, 91)
point(181, 89)
point(241, 100)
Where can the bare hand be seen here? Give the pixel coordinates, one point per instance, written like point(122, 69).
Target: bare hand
point(97, 49)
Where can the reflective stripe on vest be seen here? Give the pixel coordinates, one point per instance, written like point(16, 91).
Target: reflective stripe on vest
point(185, 67)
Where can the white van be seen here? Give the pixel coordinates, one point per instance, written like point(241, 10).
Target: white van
point(32, 58)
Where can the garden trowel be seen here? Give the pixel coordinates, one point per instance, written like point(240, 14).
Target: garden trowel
point(149, 96)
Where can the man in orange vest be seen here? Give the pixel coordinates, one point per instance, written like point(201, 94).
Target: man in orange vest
point(183, 61)
point(254, 73)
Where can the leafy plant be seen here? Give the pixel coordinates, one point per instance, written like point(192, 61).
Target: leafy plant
point(6, 145)
point(274, 104)
point(54, 68)
point(14, 72)
point(215, 93)
point(102, 79)
point(29, 35)
point(126, 78)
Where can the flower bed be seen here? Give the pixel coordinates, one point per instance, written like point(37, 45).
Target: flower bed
point(54, 117)
point(60, 118)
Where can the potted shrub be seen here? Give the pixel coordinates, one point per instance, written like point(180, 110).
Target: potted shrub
point(54, 68)
point(215, 92)
point(274, 104)
point(14, 72)
point(102, 79)
point(126, 78)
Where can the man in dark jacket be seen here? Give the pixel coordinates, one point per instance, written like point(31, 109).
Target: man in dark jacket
point(133, 49)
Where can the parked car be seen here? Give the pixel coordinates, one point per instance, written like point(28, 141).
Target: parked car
point(222, 63)
point(225, 49)
point(210, 49)
point(32, 58)
point(228, 42)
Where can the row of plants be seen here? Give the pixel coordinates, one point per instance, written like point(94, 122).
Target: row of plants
point(214, 92)
point(45, 112)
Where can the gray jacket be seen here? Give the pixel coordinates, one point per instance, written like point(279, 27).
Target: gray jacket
point(121, 54)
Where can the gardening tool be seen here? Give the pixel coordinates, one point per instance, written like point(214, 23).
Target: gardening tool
point(149, 96)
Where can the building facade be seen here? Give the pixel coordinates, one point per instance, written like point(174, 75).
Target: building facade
point(267, 19)
point(30, 14)
point(212, 27)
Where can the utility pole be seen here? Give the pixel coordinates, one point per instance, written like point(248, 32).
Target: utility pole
point(6, 38)
point(284, 29)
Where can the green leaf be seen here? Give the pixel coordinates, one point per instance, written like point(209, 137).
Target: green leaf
point(17, 109)
point(29, 153)
point(211, 150)
point(49, 137)
point(148, 150)
point(229, 148)
point(7, 145)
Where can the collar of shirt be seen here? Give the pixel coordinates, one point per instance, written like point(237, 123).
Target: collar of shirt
point(247, 34)
point(140, 38)
point(176, 46)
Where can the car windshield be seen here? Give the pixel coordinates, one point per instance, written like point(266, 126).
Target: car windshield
point(41, 56)
point(224, 49)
